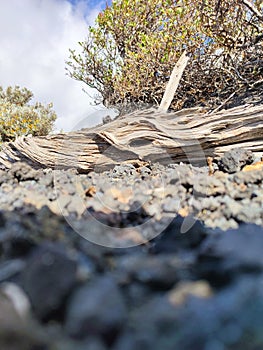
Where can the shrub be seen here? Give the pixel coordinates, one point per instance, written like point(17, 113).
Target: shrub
point(130, 52)
point(18, 117)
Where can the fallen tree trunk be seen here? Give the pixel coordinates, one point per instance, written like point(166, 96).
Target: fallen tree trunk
point(189, 135)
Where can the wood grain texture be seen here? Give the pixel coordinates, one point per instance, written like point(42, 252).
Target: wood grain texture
point(189, 135)
point(173, 82)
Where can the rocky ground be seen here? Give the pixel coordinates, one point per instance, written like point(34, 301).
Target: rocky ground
point(142, 256)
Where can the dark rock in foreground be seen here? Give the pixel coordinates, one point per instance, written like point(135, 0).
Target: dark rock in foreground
point(176, 283)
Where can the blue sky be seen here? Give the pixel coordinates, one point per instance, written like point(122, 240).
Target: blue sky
point(92, 3)
point(35, 36)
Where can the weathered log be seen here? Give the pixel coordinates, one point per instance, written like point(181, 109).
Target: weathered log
point(189, 135)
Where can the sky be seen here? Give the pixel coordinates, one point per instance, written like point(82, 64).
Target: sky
point(35, 38)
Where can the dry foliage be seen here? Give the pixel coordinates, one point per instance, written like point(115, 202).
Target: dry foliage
point(129, 54)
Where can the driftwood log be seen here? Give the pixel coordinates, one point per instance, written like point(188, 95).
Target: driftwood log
point(189, 135)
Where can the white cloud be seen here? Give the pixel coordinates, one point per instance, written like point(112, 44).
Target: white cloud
point(34, 42)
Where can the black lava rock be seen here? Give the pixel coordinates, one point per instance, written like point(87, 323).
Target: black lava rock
point(196, 285)
point(224, 256)
point(96, 308)
point(22, 172)
point(48, 279)
point(235, 160)
point(181, 233)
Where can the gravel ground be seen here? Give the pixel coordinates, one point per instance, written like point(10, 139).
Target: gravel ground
point(142, 256)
